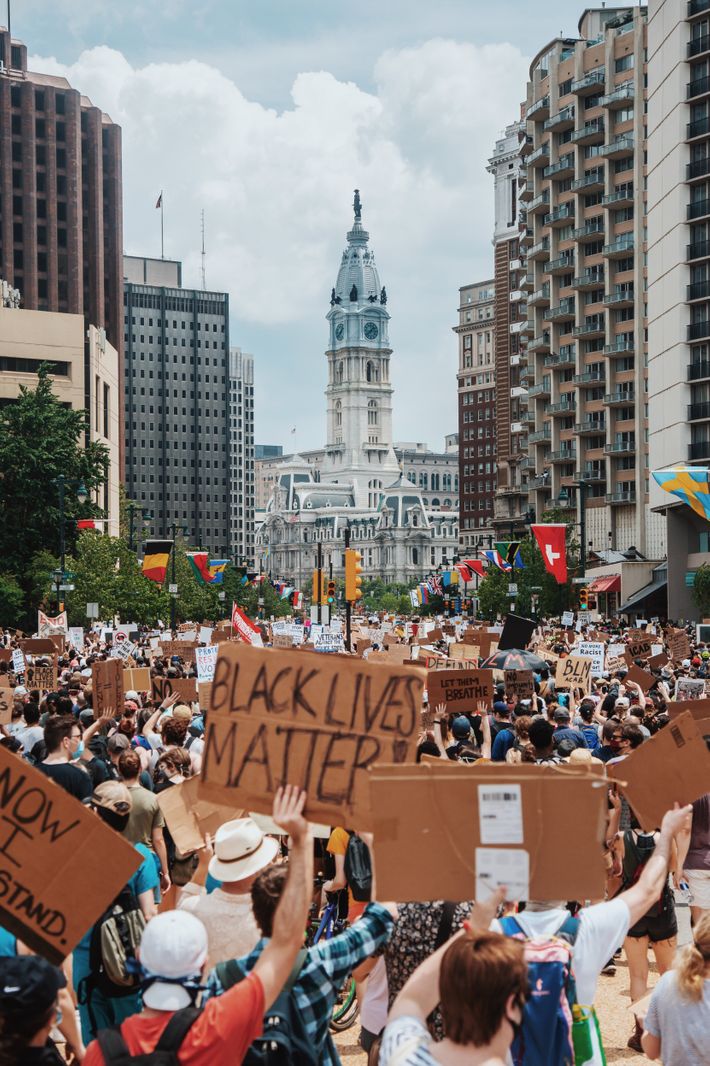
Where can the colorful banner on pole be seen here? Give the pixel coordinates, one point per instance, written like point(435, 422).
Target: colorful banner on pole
point(552, 541)
point(155, 559)
point(691, 485)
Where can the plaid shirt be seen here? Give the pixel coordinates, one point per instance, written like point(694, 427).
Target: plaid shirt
point(326, 966)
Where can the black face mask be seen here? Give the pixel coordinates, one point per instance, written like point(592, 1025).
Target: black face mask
point(113, 819)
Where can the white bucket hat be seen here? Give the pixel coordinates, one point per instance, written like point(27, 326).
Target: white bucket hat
point(240, 850)
point(173, 948)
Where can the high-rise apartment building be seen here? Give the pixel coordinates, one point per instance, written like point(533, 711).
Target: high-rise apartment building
point(679, 272)
point(178, 403)
point(61, 222)
point(241, 438)
point(585, 198)
point(477, 411)
point(510, 510)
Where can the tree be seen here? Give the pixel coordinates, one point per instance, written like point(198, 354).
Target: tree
point(40, 438)
point(11, 600)
point(701, 590)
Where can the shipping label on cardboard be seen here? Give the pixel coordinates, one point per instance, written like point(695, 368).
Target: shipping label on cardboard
point(460, 690)
point(574, 672)
point(317, 721)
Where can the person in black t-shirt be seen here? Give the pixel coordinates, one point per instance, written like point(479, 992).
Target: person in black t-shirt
point(64, 742)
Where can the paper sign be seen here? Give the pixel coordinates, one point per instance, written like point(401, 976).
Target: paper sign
point(519, 684)
point(186, 688)
point(107, 686)
point(500, 814)
point(502, 866)
point(460, 690)
point(123, 650)
point(672, 767)
point(567, 619)
point(137, 679)
point(573, 672)
point(594, 650)
point(54, 852)
point(689, 688)
point(205, 635)
point(318, 721)
point(206, 659)
point(18, 661)
point(76, 637)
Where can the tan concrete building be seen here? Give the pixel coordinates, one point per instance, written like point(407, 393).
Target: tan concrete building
point(29, 338)
point(586, 275)
point(476, 411)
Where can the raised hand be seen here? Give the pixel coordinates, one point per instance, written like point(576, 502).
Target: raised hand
point(289, 803)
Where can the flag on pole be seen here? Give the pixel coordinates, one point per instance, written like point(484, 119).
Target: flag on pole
point(476, 566)
point(90, 523)
point(155, 559)
point(552, 540)
point(510, 551)
point(494, 556)
point(246, 630)
point(159, 201)
point(216, 569)
point(691, 485)
point(198, 562)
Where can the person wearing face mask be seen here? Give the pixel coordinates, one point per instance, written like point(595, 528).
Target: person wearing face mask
point(63, 739)
point(111, 802)
point(29, 1006)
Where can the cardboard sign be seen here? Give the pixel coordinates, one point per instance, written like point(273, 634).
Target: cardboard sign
point(657, 662)
point(44, 677)
point(485, 824)
point(54, 852)
point(58, 641)
point(672, 767)
point(38, 646)
point(107, 685)
point(318, 721)
point(614, 663)
point(434, 635)
point(186, 688)
point(460, 690)
point(594, 650)
point(573, 672)
point(639, 648)
point(184, 649)
point(204, 694)
point(519, 684)
point(517, 632)
point(137, 679)
point(361, 646)
point(699, 708)
point(282, 640)
point(206, 659)
point(643, 678)
point(189, 816)
point(7, 692)
point(219, 636)
point(678, 644)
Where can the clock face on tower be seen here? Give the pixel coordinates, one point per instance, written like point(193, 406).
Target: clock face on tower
point(371, 331)
point(339, 331)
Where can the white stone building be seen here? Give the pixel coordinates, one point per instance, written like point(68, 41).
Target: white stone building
point(357, 481)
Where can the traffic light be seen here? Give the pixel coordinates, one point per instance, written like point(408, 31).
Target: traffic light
point(314, 596)
point(330, 594)
point(353, 569)
point(584, 599)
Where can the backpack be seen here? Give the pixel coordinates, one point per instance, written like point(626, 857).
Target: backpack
point(358, 869)
point(284, 1040)
point(112, 952)
point(545, 1038)
point(591, 736)
point(644, 846)
point(115, 1050)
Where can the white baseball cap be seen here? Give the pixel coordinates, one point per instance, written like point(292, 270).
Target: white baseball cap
point(173, 950)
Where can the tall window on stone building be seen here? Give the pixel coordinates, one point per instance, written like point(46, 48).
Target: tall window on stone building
point(338, 414)
point(371, 409)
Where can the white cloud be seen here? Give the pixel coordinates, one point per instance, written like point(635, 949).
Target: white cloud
point(276, 188)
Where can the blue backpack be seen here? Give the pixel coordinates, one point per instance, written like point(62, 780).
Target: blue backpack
point(545, 1038)
point(591, 736)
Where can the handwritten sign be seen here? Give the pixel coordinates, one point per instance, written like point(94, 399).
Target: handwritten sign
point(573, 672)
point(18, 661)
point(44, 676)
point(107, 685)
point(206, 659)
point(519, 684)
point(314, 721)
point(689, 688)
point(183, 649)
point(639, 648)
point(594, 650)
point(6, 696)
point(678, 644)
point(76, 637)
point(185, 687)
point(460, 690)
point(38, 646)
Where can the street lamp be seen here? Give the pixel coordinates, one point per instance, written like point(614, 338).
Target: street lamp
point(62, 482)
point(564, 500)
point(146, 517)
point(174, 529)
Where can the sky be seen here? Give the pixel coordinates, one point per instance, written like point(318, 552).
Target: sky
point(266, 115)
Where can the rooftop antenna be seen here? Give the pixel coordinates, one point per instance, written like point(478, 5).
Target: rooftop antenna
point(9, 28)
point(204, 284)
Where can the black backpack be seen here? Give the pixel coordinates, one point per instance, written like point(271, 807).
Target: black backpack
point(284, 1040)
point(358, 869)
point(116, 1053)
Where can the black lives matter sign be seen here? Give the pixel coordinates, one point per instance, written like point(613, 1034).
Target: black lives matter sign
point(319, 722)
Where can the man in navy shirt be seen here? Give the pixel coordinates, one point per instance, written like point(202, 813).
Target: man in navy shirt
point(565, 731)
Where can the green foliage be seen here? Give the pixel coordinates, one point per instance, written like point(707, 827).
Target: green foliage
point(377, 595)
point(11, 600)
point(701, 590)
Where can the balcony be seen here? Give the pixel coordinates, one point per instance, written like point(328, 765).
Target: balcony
point(564, 455)
point(540, 296)
point(590, 377)
point(623, 344)
point(591, 229)
point(563, 120)
point(698, 87)
point(535, 483)
point(620, 247)
point(698, 250)
point(566, 356)
point(539, 109)
point(592, 180)
point(590, 427)
point(591, 280)
point(540, 202)
point(621, 446)
point(564, 312)
point(699, 371)
point(539, 250)
point(622, 196)
point(516, 295)
point(698, 412)
point(621, 496)
point(540, 435)
point(700, 127)
point(529, 417)
point(594, 326)
point(619, 147)
point(560, 215)
point(541, 388)
point(618, 96)
point(541, 343)
point(563, 168)
point(700, 449)
point(622, 296)
point(591, 473)
point(698, 209)
point(697, 7)
point(563, 407)
point(620, 397)
point(589, 83)
point(698, 45)
point(699, 330)
point(540, 155)
point(699, 168)
point(589, 132)
point(561, 265)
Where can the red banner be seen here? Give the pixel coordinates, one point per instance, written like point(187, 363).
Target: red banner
point(246, 629)
point(477, 567)
point(552, 541)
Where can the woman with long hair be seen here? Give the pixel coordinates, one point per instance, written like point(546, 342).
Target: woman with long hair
point(677, 1024)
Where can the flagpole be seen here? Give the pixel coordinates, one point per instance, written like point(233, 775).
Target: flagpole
point(162, 229)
